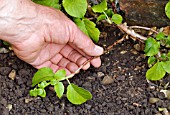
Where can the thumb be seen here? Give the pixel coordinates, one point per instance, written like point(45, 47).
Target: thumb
point(84, 43)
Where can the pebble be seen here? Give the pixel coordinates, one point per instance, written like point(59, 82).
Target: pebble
point(87, 84)
point(123, 52)
point(100, 74)
point(153, 100)
point(107, 80)
point(9, 107)
point(4, 50)
point(88, 106)
point(28, 100)
point(12, 74)
point(137, 47)
point(120, 78)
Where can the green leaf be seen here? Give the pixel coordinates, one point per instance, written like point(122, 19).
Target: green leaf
point(43, 74)
point(53, 82)
point(33, 92)
point(80, 23)
point(151, 47)
point(109, 12)
point(60, 75)
point(100, 7)
point(168, 40)
point(75, 8)
point(156, 72)
point(168, 55)
point(167, 9)
point(101, 17)
point(89, 28)
point(59, 89)
point(43, 84)
point(160, 36)
point(151, 60)
point(117, 19)
point(51, 3)
point(166, 66)
point(6, 43)
point(77, 95)
point(41, 92)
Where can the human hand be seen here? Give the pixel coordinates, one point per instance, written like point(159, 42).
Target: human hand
point(45, 37)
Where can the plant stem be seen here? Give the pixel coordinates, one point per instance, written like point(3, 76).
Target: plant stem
point(145, 28)
point(68, 81)
point(107, 18)
point(122, 27)
point(131, 32)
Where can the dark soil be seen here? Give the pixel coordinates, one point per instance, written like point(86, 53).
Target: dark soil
point(119, 86)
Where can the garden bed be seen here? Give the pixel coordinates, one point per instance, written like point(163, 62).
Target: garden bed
point(119, 86)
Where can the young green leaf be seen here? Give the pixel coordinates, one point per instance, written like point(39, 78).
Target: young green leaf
point(53, 82)
point(167, 9)
point(101, 17)
point(117, 19)
point(51, 3)
point(41, 92)
point(59, 89)
point(100, 7)
point(168, 55)
point(75, 8)
point(60, 75)
point(151, 47)
point(77, 95)
point(168, 40)
point(33, 92)
point(109, 12)
point(6, 43)
point(43, 74)
point(89, 28)
point(156, 72)
point(160, 36)
point(151, 60)
point(43, 84)
point(166, 66)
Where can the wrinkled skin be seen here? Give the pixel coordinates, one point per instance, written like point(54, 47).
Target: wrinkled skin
point(45, 37)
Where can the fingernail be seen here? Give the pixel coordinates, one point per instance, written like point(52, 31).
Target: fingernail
point(99, 50)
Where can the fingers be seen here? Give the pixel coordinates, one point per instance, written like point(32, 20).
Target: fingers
point(84, 43)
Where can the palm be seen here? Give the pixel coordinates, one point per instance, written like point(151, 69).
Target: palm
point(52, 40)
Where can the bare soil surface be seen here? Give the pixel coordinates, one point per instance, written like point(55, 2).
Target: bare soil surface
point(119, 86)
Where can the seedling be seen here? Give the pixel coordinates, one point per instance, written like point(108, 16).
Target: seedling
point(45, 77)
point(159, 62)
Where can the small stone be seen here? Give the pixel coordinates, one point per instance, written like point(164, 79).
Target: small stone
point(153, 100)
point(137, 47)
point(134, 51)
point(168, 107)
point(167, 93)
point(9, 107)
point(100, 74)
point(107, 80)
point(28, 100)
point(4, 50)
point(12, 74)
point(87, 84)
point(87, 106)
point(120, 78)
point(123, 52)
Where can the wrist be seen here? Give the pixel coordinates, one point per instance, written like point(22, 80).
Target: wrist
point(12, 16)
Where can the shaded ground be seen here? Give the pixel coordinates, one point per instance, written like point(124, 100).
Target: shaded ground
point(127, 93)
